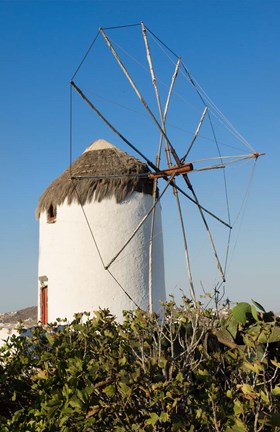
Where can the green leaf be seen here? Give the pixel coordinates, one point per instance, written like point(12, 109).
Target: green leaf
point(232, 326)
point(259, 306)
point(248, 391)
point(162, 362)
point(238, 407)
point(124, 389)
point(108, 334)
point(275, 335)
point(81, 395)
point(92, 411)
point(270, 336)
point(229, 394)
point(179, 377)
point(75, 402)
point(164, 417)
point(109, 390)
point(122, 361)
point(275, 363)
point(240, 312)
point(153, 419)
point(253, 366)
point(224, 336)
point(254, 312)
point(276, 391)
point(264, 397)
point(51, 338)
point(203, 372)
point(238, 427)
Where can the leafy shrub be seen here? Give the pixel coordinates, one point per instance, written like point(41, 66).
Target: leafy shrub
point(188, 370)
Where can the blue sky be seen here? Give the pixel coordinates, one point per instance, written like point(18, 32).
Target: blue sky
point(230, 47)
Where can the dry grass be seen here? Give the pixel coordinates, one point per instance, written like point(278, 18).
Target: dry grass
point(103, 162)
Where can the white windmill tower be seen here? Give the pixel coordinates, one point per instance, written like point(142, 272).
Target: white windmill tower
point(88, 256)
point(107, 213)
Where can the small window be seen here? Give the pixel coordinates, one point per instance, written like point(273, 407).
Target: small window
point(51, 214)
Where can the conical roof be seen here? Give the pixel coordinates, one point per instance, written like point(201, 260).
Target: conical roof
point(100, 159)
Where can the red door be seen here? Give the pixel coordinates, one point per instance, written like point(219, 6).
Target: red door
point(44, 305)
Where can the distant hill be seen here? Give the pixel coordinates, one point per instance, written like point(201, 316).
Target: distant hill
point(28, 316)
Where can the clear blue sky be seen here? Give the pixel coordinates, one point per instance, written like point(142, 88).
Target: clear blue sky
point(231, 48)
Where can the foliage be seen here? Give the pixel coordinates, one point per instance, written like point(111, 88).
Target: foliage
point(189, 370)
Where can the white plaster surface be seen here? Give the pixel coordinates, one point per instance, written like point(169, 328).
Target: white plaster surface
point(99, 144)
point(6, 331)
point(68, 256)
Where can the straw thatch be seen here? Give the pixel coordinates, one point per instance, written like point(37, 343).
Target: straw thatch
point(97, 160)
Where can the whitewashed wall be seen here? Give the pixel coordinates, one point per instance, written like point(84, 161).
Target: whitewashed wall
point(77, 281)
point(6, 331)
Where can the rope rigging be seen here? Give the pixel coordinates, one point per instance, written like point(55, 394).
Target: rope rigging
point(177, 167)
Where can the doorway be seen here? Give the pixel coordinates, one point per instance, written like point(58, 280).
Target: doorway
point(44, 305)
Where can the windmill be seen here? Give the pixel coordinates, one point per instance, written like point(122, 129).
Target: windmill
point(170, 165)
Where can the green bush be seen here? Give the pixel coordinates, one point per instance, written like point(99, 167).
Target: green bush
point(189, 370)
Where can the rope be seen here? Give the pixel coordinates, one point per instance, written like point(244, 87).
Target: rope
point(141, 222)
point(128, 295)
point(170, 125)
point(191, 79)
point(151, 164)
point(201, 91)
point(241, 212)
point(246, 196)
point(85, 56)
point(223, 118)
point(71, 130)
point(98, 250)
point(162, 43)
point(89, 227)
point(129, 55)
point(216, 113)
point(122, 26)
point(226, 194)
point(193, 82)
point(111, 176)
point(234, 158)
point(143, 245)
point(178, 95)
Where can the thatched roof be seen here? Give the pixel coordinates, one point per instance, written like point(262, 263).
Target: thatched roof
point(99, 159)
